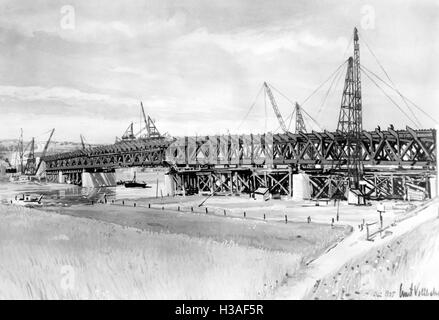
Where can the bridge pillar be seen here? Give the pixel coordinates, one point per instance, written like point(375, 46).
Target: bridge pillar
point(60, 177)
point(169, 184)
point(302, 186)
point(98, 179)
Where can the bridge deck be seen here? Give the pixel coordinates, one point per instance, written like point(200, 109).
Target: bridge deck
point(409, 148)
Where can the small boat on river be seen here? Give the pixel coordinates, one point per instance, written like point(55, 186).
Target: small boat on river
point(134, 184)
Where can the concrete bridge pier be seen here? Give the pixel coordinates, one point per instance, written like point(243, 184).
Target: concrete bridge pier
point(61, 177)
point(84, 178)
point(98, 179)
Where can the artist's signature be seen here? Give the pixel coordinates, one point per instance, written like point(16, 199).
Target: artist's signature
point(407, 291)
point(416, 290)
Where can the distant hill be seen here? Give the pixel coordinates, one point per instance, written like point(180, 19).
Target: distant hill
point(8, 148)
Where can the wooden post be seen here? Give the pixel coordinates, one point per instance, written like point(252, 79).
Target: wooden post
point(157, 188)
point(265, 179)
point(392, 187)
point(207, 211)
point(254, 182)
point(231, 183)
point(286, 219)
point(338, 209)
point(134, 204)
point(264, 216)
point(182, 185)
point(290, 181)
point(244, 214)
point(375, 185)
point(211, 183)
point(224, 212)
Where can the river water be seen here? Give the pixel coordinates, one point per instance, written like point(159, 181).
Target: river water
point(67, 195)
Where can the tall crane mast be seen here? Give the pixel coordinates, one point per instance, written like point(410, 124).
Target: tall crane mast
point(152, 131)
point(83, 142)
point(350, 121)
point(46, 146)
point(300, 123)
point(350, 117)
point(30, 162)
point(20, 152)
point(275, 107)
point(129, 133)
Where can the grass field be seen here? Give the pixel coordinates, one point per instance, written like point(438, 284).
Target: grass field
point(51, 256)
point(406, 267)
point(307, 240)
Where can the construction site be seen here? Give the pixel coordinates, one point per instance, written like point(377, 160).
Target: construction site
point(306, 202)
point(348, 163)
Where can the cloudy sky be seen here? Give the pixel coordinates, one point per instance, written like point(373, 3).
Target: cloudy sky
point(84, 66)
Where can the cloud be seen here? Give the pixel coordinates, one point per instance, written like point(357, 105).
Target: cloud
point(71, 95)
point(197, 66)
point(264, 41)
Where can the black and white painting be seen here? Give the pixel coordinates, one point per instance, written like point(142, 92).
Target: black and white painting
point(237, 150)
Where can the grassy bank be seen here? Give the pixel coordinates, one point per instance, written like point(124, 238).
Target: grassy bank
point(51, 256)
point(306, 240)
point(406, 267)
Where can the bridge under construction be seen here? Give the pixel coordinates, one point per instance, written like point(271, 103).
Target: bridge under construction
point(349, 161)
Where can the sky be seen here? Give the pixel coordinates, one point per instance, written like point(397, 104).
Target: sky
point(82, 67)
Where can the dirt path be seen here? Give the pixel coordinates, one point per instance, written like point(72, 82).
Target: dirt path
point(353, 246)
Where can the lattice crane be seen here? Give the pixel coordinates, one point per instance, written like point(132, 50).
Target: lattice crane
point(152, 131)
point(275, 107)
point(46, 146)
point(82, 141)
point(350, 121)
point(300, 123)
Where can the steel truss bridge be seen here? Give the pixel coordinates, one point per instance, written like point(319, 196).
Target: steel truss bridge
point(394, 161)
point(378, 164)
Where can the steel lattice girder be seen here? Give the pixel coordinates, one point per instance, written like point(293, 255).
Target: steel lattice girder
point(403, 148)
point(121, 154)
point(376, 185)
point(395, 185)
point(326, 186)
point(233, 181)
